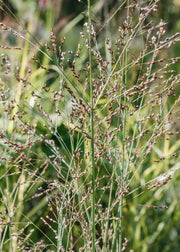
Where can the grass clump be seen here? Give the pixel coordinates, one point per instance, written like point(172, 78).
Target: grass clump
point(90, 136)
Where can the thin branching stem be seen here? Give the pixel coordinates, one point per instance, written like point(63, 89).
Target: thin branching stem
point(92, 131)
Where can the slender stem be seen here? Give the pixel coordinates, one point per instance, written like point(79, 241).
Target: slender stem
point(108, 213)
point(92, 132)
point(20, 84)
point(123, 148)
point(122, 185)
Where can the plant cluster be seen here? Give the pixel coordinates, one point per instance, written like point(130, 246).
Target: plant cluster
point(89, 138)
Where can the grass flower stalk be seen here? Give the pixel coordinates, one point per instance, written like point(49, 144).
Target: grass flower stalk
point(91, 130)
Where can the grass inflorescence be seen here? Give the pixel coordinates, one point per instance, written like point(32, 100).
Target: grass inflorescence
point(90, 134)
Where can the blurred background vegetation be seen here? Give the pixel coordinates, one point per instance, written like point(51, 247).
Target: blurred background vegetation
point(66, 19)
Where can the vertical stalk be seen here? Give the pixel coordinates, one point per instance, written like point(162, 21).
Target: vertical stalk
point(92, 132)
point(123, 148)
point(122, 178)
point(19, 210)
point(122, 188)
point(21, 75)
point(108, 213)
point(21, 188)
point(60, 229)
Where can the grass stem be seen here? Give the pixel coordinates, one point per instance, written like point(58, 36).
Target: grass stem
point(92, 131)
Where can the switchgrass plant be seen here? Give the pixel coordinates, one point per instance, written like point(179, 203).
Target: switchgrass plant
point(90, 137)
